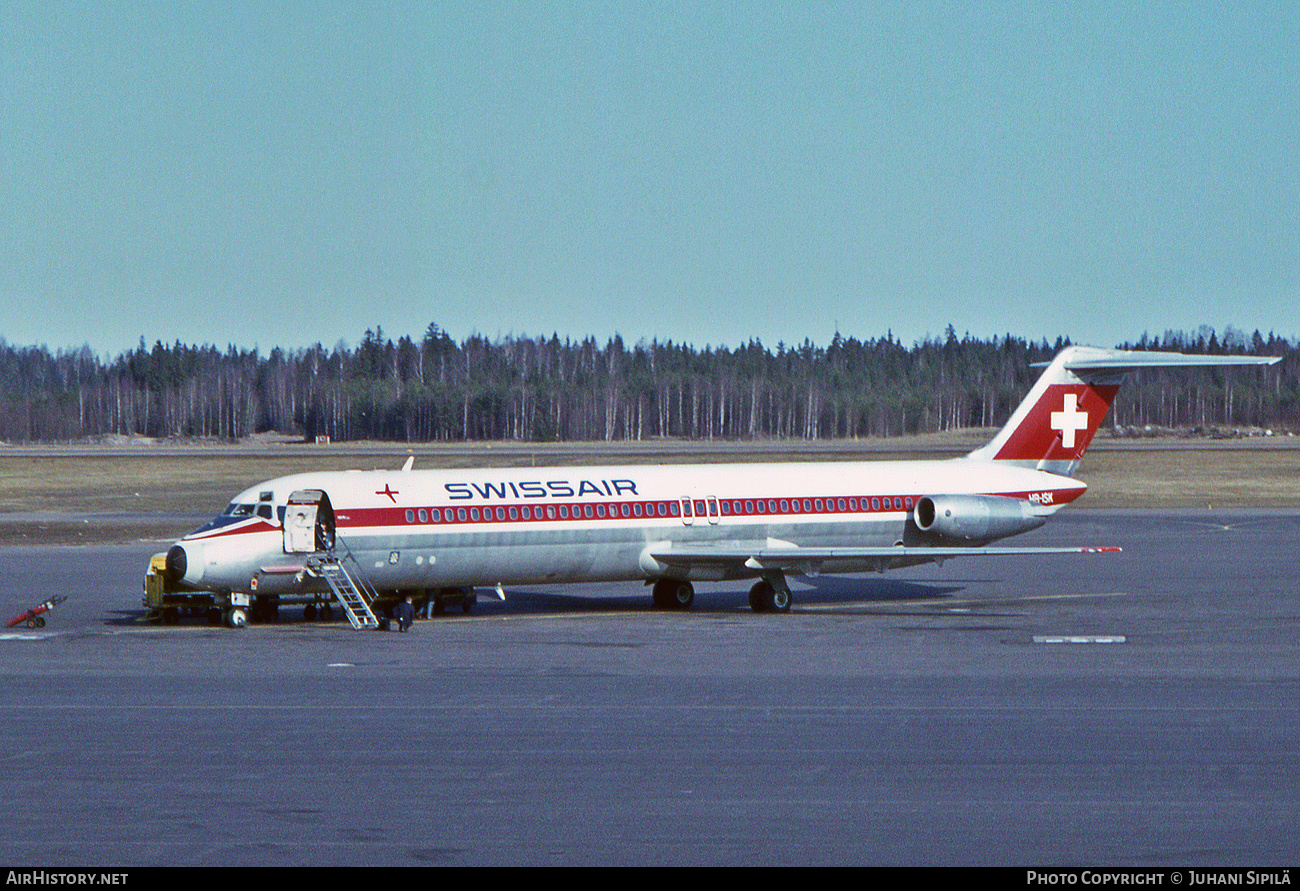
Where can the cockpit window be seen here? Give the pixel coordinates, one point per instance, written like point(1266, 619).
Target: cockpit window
point(233, 514)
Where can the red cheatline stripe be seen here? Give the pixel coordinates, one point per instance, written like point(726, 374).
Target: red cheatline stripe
point(701, 510)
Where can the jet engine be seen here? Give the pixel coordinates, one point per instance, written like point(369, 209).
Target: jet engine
point(974, 517)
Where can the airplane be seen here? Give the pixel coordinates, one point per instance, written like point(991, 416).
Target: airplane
point(366, 538)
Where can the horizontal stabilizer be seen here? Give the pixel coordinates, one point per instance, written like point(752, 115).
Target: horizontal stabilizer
point(1098, 360)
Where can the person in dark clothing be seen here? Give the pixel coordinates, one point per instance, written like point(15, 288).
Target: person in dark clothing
point(405, 614)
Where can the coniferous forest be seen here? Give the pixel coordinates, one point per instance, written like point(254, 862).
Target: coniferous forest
point(548, 389)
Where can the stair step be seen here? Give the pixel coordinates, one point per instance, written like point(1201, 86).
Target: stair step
point(353, 598)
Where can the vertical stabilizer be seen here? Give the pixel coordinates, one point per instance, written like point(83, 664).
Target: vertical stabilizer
point(1053, 426)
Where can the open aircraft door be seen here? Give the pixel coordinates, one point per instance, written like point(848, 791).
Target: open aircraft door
point(308, 522)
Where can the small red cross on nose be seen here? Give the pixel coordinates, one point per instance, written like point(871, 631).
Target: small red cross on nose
point(389, 492)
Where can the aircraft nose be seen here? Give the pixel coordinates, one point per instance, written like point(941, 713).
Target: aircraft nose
point(178, 564)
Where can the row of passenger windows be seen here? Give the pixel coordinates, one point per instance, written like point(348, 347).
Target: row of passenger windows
point(701, 507)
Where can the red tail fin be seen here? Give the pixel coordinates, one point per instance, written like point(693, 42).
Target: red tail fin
point(1060, 423)
point(1054, 425)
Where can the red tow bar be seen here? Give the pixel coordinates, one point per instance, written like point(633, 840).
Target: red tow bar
point(33, 616)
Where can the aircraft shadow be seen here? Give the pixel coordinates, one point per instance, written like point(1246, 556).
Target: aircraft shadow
point(820, 591)
point(843, 590)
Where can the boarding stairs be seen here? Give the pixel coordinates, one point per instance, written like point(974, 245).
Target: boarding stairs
point(350, 587)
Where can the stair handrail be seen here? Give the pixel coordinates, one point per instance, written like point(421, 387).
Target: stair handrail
point(367, 591)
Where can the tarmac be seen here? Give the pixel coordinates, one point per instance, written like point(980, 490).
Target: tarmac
point(1140, 708)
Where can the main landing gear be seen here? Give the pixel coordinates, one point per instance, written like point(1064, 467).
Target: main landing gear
point(769, 595)
point(673, 594)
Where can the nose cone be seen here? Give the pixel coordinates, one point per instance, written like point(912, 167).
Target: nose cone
point(176, 563)
point(180, 568)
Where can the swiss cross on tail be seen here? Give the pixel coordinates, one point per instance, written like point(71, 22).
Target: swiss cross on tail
point(1069, 420)
point(1060, 424)
point(1053, 427)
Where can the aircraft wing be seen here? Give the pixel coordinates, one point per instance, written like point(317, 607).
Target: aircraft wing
point(810, 560)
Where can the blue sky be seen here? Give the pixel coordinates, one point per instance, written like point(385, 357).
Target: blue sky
point(284, 174)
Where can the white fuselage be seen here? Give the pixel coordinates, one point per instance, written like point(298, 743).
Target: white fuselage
point(422, 529)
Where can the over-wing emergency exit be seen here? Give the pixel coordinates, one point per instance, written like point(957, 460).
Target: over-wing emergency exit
point(360, 540)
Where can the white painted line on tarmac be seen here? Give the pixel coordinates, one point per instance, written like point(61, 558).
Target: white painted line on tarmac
point(1080, 638)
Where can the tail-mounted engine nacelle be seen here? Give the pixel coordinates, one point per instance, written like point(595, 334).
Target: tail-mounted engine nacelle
point(974, 517)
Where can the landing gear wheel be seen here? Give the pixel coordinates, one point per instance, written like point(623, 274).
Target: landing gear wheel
point(467, 602)
point(766, 597)
point(237, 617)
point(781, 599)
point(309, 612)
point(673, 594)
